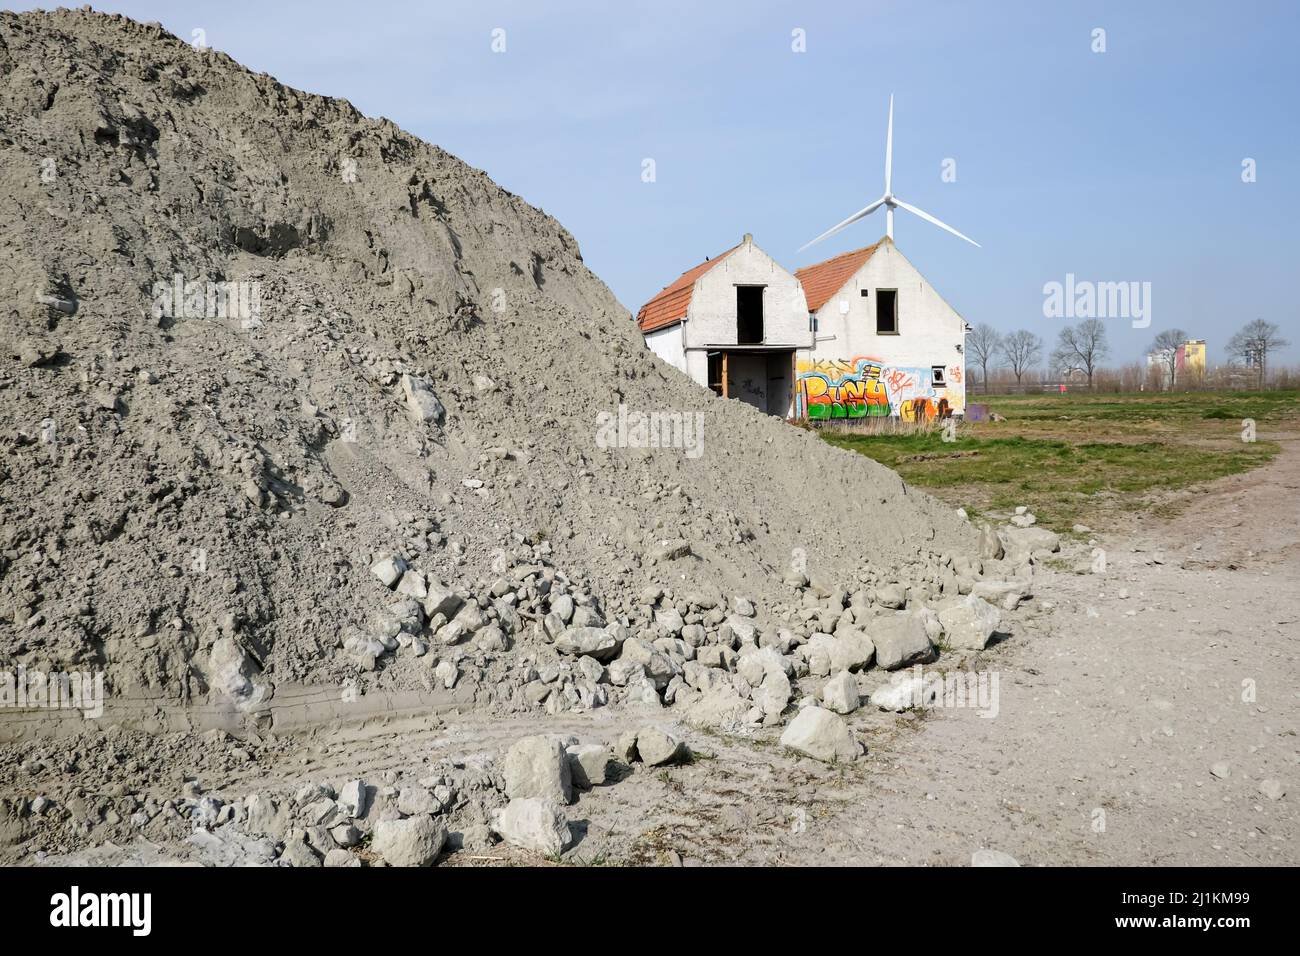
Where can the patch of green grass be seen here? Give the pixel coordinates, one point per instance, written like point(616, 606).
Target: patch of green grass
point(1163, 407)
point(1061, 480)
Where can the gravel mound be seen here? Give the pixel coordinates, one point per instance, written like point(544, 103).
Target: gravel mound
point(289, 395)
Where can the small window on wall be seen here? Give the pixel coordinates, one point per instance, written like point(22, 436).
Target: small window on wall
point(886, 311)
point(938, 376)
point(812, 322)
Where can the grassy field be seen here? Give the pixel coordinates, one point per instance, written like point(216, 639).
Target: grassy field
point(1086, 458)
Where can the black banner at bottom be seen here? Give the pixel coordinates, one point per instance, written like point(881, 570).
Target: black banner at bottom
point(195, 905)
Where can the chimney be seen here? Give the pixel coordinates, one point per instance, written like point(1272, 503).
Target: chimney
point(749, 239)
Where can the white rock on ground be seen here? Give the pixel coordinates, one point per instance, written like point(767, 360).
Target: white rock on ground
point(821, 735)
point(261, 816)
point(900, 641)
point(841, 694)
point(773, 696)
point(354, 798)
point(388, 570)
point(413, 585)
point(1034, 542)
point(440, 599)
point(720, 709)
point(416, 800)
point(904, 692)
point(296, 852)
point(990, 544)
point(593, 641)
point(657, 747)
point(851, 649)
point(1008, 594)
point(969, 622)
point(588, 765)
point(421, 403)
point(892, 596)
point(345, 835)
point(625, 746)
point(447, 674)
point(415, 841)
point(538, 767)
point(533, 823)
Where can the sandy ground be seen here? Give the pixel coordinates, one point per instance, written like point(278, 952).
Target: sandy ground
point(1118, 694)
point(1112, 711)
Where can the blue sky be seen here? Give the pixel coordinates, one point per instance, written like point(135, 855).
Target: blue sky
point(1117, 166)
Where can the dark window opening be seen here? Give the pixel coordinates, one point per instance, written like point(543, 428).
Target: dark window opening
point(812, 321)
point(886, 311)
point(716, 372)
point(864, 293)
point(749, 314)
point(938, 375)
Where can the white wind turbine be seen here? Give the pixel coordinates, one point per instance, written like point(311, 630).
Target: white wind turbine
point(888, 200)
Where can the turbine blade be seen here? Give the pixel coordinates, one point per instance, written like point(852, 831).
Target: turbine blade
point(928, 218)
point(889, 146)
point(865, 211)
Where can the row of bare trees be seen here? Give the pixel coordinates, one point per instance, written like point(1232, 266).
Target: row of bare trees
point(1020, 351)
point(1082, 349)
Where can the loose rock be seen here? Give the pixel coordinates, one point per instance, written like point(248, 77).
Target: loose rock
point(822, 735)
point(415, 841)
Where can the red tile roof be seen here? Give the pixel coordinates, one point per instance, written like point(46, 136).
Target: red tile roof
point(823, 280)
point(670, 305)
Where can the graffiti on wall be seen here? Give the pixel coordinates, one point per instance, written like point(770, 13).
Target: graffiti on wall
point(864, 387)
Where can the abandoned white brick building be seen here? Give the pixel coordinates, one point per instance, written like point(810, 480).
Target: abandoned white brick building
point(734, 323)
point(859, 335)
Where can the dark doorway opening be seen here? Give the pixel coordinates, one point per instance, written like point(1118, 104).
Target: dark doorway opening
point(749, 315)
point(886, 311)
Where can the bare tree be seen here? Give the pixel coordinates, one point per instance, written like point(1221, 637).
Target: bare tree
point(1023, 350)
point(1081, 348)
point(1253, 343)
point(983, 343)
point(1166, 348)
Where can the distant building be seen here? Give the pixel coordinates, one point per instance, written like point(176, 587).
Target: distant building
point(857, 336)
point(1188, 363)
point(1191, 359)
point(1158, 366)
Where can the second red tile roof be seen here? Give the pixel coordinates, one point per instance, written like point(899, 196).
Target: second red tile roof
point(823, 280)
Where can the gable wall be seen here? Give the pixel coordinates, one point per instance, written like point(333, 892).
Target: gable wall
point(711, 317)
point(853, 372)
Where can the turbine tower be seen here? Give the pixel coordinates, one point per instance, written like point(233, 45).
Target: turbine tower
point(888, 200)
